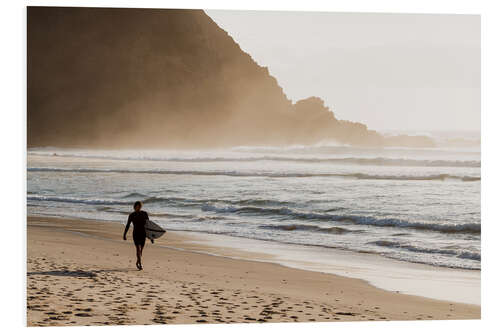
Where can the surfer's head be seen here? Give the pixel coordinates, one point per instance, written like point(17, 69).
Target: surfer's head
point(137, 206)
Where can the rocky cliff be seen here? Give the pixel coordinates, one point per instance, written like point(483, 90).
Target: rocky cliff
point(103, 77)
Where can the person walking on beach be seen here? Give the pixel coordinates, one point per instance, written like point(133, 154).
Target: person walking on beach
point(138, 218)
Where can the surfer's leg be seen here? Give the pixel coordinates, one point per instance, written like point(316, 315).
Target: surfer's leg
point(139, 241)
point(138, 252)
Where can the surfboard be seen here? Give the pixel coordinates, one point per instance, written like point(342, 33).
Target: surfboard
point(153, 230)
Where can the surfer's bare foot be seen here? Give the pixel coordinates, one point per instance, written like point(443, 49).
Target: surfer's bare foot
point(138, 265)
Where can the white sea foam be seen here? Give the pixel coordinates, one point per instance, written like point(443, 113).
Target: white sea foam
point(380, 161)
point(442, 176)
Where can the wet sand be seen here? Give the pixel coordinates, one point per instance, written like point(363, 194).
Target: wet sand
point(83, 273)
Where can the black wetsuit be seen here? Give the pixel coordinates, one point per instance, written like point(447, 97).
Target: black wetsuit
point(138, 219)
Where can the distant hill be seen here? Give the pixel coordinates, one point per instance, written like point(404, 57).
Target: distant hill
point(102, 77)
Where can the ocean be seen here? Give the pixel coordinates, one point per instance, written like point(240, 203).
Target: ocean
point(414, 205)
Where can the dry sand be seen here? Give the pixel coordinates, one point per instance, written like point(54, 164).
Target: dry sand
point(83, 273)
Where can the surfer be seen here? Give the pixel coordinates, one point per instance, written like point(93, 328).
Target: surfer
point(138, 218)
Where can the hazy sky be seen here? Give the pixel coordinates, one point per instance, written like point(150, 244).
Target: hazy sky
point(389, 71)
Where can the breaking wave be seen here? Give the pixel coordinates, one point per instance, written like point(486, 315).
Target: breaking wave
point(305, 227)
point(378, 161)
point(463, 254)
point(471, 228)
point(77, 200)
point(167, 200)
point(361, 176)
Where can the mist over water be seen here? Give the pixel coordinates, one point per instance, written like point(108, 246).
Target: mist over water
point(417, 205)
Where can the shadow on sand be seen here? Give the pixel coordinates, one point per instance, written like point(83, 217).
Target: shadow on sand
point(79, 273)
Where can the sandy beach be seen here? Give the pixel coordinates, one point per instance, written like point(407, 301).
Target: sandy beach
point(81, 272)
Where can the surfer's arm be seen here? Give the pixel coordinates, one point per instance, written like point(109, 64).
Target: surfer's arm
point(126, 228)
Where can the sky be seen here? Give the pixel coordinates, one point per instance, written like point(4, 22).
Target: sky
point(404, 72)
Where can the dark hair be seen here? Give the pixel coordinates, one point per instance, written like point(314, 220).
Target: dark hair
point(137, 203)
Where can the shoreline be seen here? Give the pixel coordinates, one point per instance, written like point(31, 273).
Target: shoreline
point(186, 286)
point(418, 279)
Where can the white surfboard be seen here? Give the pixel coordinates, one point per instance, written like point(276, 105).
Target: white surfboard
point(153, 230)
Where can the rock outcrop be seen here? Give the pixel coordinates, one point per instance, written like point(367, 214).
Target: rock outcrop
point(110, 77)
